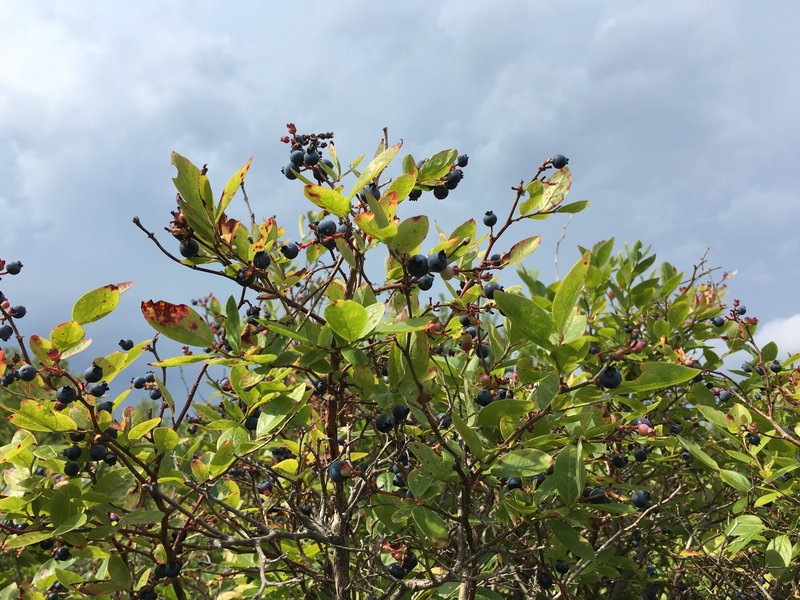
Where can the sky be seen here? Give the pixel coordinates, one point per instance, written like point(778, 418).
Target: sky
point(680, 121)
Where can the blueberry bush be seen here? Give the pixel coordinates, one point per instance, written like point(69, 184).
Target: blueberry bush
point(390, 410)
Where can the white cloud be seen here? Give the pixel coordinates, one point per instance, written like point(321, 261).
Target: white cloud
point(785, 332)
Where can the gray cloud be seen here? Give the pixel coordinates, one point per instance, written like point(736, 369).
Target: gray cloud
point(680, 120)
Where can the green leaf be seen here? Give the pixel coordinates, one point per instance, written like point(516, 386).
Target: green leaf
point(568, 292)
point(402, 185)
point(66, 335)
point(735, 479)
point(347, 318)
point(470, 437)
point(779, 552)
point(331, 200)
point(375, 167)
point(713, 416)
point(410, 234)
point(165, 439)
point(437, 166)
point(183, 359)
point(745, 526)
point(430, 526)
point(532, 202)
point(118, 571)
point(491, 415)
point(526, 315)
point(142, 517)
point(368, 223)
point(698, 453)
point(222, 459)
point(138, 431)
point(524, 462)
point(556, 188)
point(178, 322)
point(98, 303)
point(656, 376)
point(521, 250)
point(573, 207)
point(570, 473)
point(405, 326)
point(375, 313)
point(571, 539)
point(275, 412)
point(233, 185)
point(26, 539)
point(40, 416)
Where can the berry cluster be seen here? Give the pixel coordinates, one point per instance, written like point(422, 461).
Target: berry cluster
point(441, 189)
point(304, 155)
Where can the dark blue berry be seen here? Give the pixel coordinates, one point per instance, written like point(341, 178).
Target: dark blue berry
point(489, 219)
point(290, 250)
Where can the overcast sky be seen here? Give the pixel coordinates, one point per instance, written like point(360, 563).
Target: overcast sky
point(680, 119)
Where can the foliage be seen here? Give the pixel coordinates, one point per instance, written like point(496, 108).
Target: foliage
point(365, 440)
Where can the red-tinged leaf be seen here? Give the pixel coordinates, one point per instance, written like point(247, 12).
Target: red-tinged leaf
point(521, 250)
point(178, 322)
point(233, 185)
point(331, 200)
point(96, 304)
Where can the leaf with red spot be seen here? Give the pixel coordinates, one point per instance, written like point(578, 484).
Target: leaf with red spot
point(178, 322)
point(331, 200)
point(98, 303)
point(232, 187)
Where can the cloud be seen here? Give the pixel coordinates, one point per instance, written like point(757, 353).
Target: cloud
point(785, 332)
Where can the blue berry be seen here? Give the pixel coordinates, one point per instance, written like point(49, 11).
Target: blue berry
point(290, 250)
point(560, 161)
point(489, 219)
point(417, 265)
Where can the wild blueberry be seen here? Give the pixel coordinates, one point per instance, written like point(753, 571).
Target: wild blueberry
point(66, 394)
point(173, 570)
point(462, 160)
point(560, 161)
point(13, 268)
point(640, 454)
point(545, 580)
point(18, 311)
point(415, 194)
point(72, 453)
point(93, 374)
point(6, 331)
point(126, 344)
point(484, 397)
point(438, 262)
point(261, 260)
point(77, 436)
point(155, 394)
point(417, 265)
point(98, 452)
point(296, 157)
point(27, 373)
point(619, 460)
point(335, 471)
point(326, 227)
point(110, 459)
point(490, 288)
point(290, 250)
point(410, 561)
point(384, 424)
point(753, 439)
point(97, 389)
point(425, 282)
point(483, 351)
point(444, 420)
point(62, 553)
point(718, 321)
point(775, 366)
point(514, 483)
point(640, 499)
point(139, 383)
point(289, 171)
point(489, 219)
point(400, 413)
point(440, 192)
point(396, 570)
point(724, 396)
point(562, 567)
point(71, 469)
point(311, 158)
point(741, 310)
point(610, 378)
point(189, 248)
